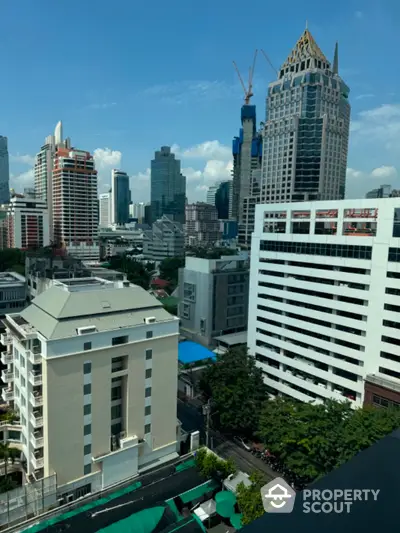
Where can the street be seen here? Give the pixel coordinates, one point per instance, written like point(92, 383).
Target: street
point(193, 420)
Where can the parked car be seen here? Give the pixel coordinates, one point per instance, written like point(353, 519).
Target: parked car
point(243, 443)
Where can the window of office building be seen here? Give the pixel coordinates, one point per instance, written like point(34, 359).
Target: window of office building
point(149, 334)
point(313, 248)
point(87, 449)
point(116, 341)
point(87, 389)
point(87, 345)
point(116, 412)
point(147, 392)
point(149, 355)
point(87, 409)
point(189, 292)
point(87, 368)
point(147, 429)
point(87, 429)
point(147, 410)
point(87, 469)
point(148, 373)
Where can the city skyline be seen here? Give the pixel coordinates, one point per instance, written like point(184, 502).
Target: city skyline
point(207, 87)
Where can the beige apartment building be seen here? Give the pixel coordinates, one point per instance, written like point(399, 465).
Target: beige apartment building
point(92, 373)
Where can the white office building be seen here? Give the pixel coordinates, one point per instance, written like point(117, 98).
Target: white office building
point(92, 375)
point(105, 210)
point(325, 296)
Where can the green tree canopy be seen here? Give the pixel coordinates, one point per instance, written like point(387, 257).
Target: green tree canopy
point(249, 499)
point(135, 271)
point(169, 269)
point(313, 439)
point(236, 388)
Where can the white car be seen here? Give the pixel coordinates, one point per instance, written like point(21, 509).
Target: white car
point(243, 443)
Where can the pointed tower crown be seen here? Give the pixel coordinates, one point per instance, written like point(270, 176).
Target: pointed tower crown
point(306, 49)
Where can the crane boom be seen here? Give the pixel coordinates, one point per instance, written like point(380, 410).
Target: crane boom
point(248, 93)
point(269, 62)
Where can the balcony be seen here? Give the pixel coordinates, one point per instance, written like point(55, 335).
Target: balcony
point(37, 462)
point(7, 377)
point(5, 339)
point(6, 358)
point(37, 442)
point(36, 400)
point(7, 395)
point(36, 421)
point(34, 357)
point(35, 379)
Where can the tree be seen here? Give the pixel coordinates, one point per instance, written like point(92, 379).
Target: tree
point(7, 454)
point(135, 271)
point(311, 440)
point(237, 391)
point(169, 269)
point(210, 465)
point(249, 499)
point(12, 258)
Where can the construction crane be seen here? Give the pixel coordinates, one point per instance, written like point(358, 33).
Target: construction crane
point(269, 62)
point(248, 92)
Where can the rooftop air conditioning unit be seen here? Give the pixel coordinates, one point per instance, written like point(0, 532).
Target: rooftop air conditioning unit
point(86, 329)
point(150, 319)
point(125, 283)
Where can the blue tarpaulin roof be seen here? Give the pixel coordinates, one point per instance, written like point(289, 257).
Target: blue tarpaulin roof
point(191, 352)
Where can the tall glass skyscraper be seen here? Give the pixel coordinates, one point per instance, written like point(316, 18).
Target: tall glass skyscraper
point(120, 197)
point(168, 186)
point(4, 172)
point(306, 132)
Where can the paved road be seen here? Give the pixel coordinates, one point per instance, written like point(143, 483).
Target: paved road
point(192, 420)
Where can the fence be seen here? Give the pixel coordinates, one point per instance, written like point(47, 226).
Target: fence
point(30, 500)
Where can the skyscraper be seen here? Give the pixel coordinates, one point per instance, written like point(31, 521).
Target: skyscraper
point(75, 203)
point(247, 153)
point(105, 209)
point(223, 200)
point(4, 171)
point(44, 169)
point(211, 192)
point(306, 130)
point(120, 197)
point(168, 186)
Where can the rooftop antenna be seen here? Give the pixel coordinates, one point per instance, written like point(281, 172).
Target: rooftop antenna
point(248, 92)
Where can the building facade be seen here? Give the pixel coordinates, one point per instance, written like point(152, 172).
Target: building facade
point(247, 155)
point(105, 210)
point(168, 186)
point(75, 203)
point(202, 227)
point(114, 375)
point(324, 297)
point(4, 171)
point(165, 239)
point(306, 131)
point(43, 170)
point(223, 200)
point(213, 295)
point(13, 293)
point(120, 197)
point(211, 192)
point(27, 222)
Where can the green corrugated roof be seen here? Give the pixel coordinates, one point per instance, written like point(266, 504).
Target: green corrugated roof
point(198, 492)
point(142, 522)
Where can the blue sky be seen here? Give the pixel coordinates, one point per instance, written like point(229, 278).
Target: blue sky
point(127, 77)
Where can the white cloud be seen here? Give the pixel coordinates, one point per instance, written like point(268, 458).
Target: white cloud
point(384, 172)
point(359, 182)
point(22, 180)
point(105, 157)
point(364, 96)
point(23, 159)
point(379, 126)
point(205, 150)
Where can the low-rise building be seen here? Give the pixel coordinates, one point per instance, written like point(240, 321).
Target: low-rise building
point(213, 295)
point(92, 375)
point(202, 227)
point(165, 239)
point(324, 297)
point(13, 293)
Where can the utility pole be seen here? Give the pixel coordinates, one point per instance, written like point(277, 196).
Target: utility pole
point(207, 412)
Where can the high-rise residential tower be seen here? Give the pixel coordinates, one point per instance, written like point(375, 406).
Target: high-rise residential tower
point(247, 153)
point(306, 131)
point(4, 171)
point(27, 222)
point(168, 186)
point(120, 197)
point(75, 203)
point(44, 169)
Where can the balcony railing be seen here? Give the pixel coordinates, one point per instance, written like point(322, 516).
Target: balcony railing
point(5, 339)
point(37, 442)
point(7, 395)
point(36, 400)
point(37, 462)
point(7, 377)
point(6, 358)
point(37, 422)
point(33, 357)
point(35, 379)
